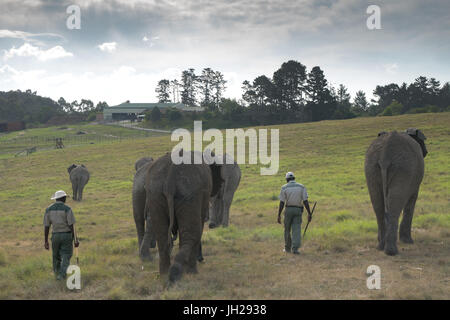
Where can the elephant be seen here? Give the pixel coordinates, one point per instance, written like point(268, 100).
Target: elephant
point(79, 176)
point(178, 195)
point(142, 161)
point(394, 169)
point(138, 200)
point(220, 208)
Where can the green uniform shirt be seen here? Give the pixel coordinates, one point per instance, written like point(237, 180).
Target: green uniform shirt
point(293, 194)
point(60, 216)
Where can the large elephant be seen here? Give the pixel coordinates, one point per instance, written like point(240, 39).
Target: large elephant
point(178, 195)
point(79, 176)
point(138, 199)
point(219, 213)
point(142, 161)
point(394, 169)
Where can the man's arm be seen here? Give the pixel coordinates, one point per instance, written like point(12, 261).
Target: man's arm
point(74, 236)
point(306, 204)
point(46, 232)
point(280, 209)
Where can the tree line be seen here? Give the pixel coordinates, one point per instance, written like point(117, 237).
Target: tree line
point(33, 109)
point(294, 94)
point(205, 89)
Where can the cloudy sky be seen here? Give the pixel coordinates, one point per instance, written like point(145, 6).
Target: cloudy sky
point(125, 46)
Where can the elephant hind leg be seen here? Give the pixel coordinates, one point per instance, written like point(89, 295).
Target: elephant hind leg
point(405, 226)
point(395, 207)
point(377, 199)
point(215, 217)
point(80, 192)
point(158, 225)
point(74, 191)
point(189, 218)
point(227, 200)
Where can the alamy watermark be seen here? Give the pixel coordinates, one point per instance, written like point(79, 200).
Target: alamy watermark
point(74, 280)
point(373, 22)
point(214, 152)
point(74, 19)
point(374, 277)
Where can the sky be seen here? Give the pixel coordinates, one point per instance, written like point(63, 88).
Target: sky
point(124, 47)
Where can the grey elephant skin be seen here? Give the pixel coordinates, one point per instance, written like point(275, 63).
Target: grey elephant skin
point(219, 213)
point(394, 169)
point(141, 162)
point(79, 177)
point(138, 200)
point(178, 196)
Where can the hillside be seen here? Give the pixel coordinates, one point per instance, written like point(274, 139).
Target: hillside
point(244, 261)
point(27, 106)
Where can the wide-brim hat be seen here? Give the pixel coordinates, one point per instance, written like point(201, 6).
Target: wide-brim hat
point(58, 194)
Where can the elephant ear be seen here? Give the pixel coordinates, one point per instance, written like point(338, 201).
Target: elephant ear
point(418, 135)
point(216, 173)
point(69, 169)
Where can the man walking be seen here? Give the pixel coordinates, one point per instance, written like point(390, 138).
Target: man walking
point(61, 217)
point(294, 196)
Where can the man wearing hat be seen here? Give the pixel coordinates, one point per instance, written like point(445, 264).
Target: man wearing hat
point(293, 195)
point(61, 217)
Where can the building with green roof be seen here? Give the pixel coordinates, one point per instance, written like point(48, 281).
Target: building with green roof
point(127, 110)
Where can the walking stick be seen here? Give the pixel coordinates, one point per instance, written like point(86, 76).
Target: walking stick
point(75, 240)
point(306, 228)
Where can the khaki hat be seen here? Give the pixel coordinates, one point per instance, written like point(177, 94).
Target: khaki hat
point(58, 194)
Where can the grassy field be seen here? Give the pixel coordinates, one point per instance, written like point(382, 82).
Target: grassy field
point(245, 260)
point(72, 135)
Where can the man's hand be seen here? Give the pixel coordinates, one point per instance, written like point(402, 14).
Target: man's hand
point(280, 209)
point(76, 244)
point(46, 245)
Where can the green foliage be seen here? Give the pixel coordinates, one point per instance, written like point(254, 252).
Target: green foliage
point(394, 109)
point(174, 115)
point(154, 115)
point(426, 109)
point(27, 106)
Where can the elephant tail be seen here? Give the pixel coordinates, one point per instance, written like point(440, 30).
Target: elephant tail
point(385, 182)
point(169, 192)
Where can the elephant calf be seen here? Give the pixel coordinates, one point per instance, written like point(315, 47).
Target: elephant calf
point(219, 213)
point(79, 177)
point(394, 169)
point(138, 200)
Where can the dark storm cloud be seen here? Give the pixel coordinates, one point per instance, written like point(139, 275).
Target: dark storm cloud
point(243, 38)
point(224, 19)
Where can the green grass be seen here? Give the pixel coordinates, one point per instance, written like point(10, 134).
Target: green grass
point(243, 261)
point(44, 138)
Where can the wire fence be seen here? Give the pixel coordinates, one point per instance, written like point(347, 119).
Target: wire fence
point(32, 144)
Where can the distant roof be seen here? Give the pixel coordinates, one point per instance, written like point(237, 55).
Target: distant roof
point(148, 105)
point(141, 107)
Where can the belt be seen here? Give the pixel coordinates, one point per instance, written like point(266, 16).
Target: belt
point(294, 207)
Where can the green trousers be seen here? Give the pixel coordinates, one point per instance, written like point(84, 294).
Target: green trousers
point(62, 252)
point(292, 224)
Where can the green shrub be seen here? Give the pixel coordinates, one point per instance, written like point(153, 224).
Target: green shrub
point(394, 109)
